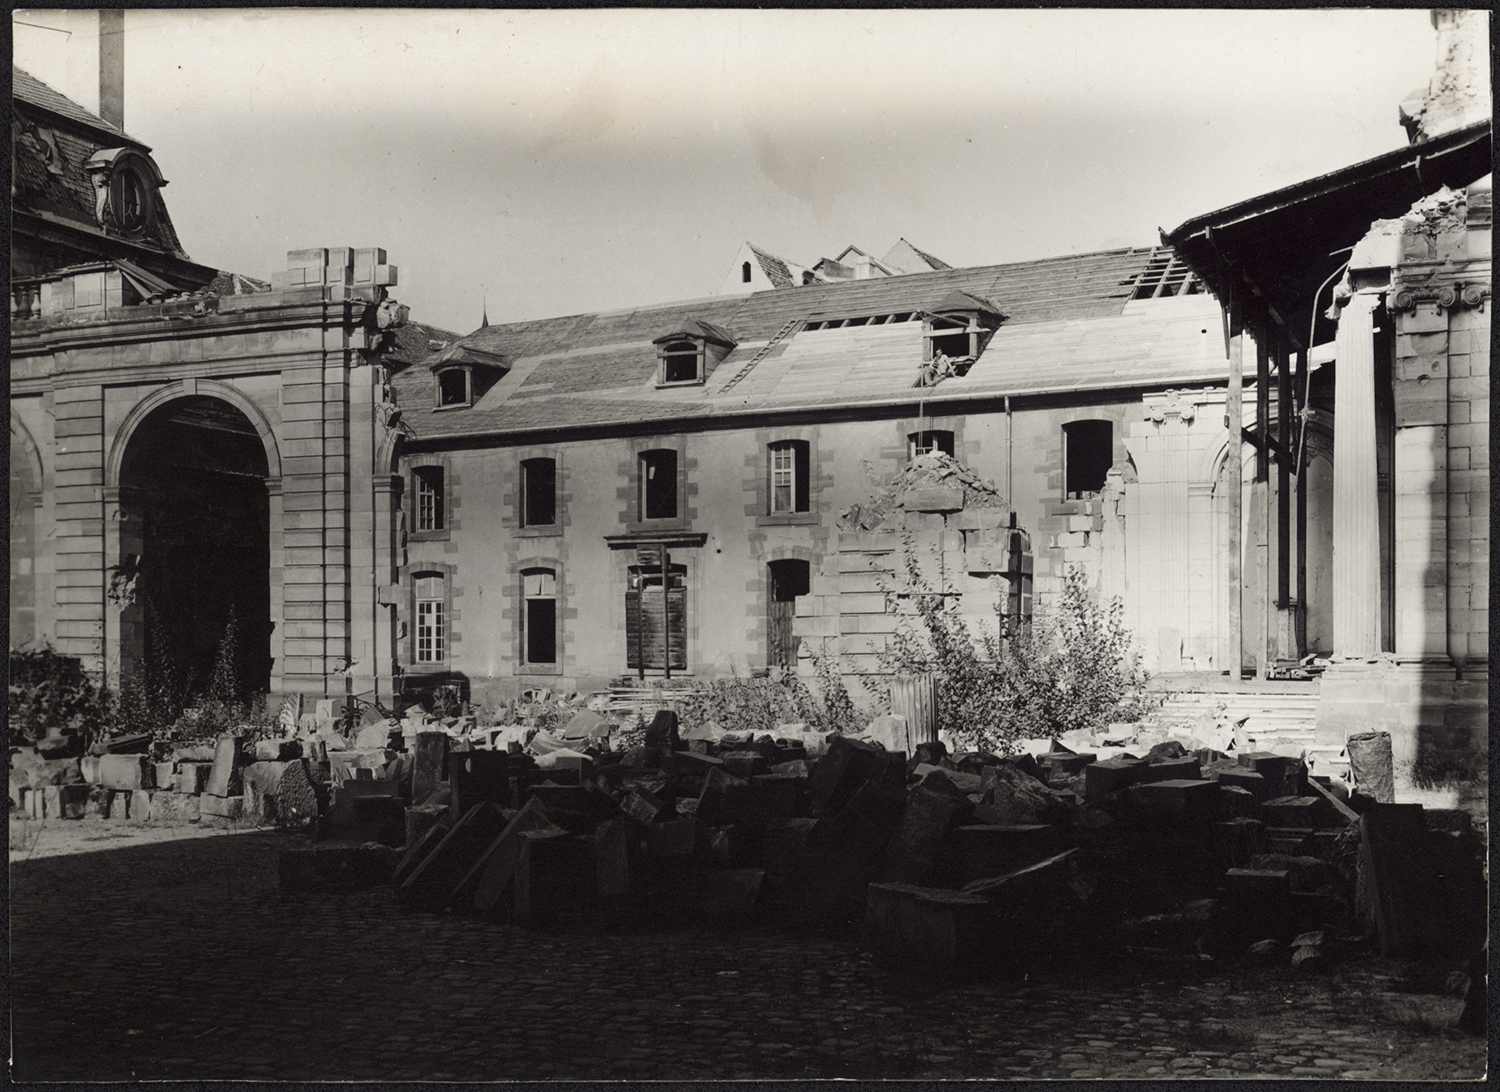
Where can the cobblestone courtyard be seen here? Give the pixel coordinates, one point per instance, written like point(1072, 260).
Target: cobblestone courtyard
point(180, 960)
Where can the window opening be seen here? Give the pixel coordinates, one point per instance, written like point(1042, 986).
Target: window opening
point(1088, 453)
point(789, 477)
point(538, 492)
point(651, 615)
point(925, 443)
point(745, 272)
point(432, 630)
point(429, 490)
point(658, 484)
point(788, 580)
point(539, 622)
point(453, 387)
point(680, 362)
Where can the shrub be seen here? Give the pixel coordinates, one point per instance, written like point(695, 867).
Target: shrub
point(760, 703)
point(50, 691)
point(1071, 668)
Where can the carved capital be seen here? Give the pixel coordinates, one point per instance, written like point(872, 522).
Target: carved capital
point(1180, 405)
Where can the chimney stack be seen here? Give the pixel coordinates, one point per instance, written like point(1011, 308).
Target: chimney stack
point(1459, 92)
point(112, 66)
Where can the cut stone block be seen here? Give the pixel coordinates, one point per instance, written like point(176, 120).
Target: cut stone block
point(174, 807)
point(140, 805)
point(126, 773)
point(1236, 842)
point(165, 775)
point(221, 807)
point(193, 777)
point(1070, 764)
point(1284, 775)
point(297, 802)
point(427, 764)
point(964, 782)
point(555, 870)
point(1180, 798)
point(416, 852)
point(1171, 769)
point(1257, 905)
point(336, 868)
point(420, 819)
point(1244, 778)
point(435, 880)
point(1235, 802)
point(51, 801)
point(72, 800)
point(1291, 811)
point(744, 764)
point(641, 806)
point(88, 769)
point(932, 806)
point(844, 852)
point(979, 850)
point(224, 777)
point(933, 933)
point(848, 765)
point(119, 804)
point(1110, 775)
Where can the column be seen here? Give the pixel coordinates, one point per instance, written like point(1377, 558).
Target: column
point(1356, 524)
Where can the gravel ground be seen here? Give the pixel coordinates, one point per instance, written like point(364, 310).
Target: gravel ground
point(146, 953)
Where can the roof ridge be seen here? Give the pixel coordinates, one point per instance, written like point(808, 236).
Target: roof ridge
point(21, 89)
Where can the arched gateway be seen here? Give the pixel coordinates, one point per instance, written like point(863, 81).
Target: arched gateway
point(194, 527)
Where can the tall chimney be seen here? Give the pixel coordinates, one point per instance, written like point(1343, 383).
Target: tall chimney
point(112, 66)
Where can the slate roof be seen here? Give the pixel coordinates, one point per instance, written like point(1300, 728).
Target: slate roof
point(46, 119)
point(773, 267)
point(1071, 325)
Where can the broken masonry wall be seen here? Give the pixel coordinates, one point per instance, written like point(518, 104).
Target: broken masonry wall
point(958, 531)
point(1433, 270)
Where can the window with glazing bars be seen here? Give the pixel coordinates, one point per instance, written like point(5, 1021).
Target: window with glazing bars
point(432, 630)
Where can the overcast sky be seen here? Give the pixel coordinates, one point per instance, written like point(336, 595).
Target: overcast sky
point(557, 162)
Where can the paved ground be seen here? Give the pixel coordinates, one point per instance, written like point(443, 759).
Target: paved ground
point(179, 960)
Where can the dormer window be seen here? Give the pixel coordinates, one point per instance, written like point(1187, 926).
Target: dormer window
point(454, 388)
point(687, 354)
point(463, 374)
point(681, 362)
point(125, 184)
point(957, 330)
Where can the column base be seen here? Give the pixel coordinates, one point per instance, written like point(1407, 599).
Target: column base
point(1439, 724)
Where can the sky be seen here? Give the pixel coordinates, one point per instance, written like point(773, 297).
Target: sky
point(537, 163)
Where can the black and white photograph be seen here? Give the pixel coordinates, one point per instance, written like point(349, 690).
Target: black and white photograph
point(601, 544)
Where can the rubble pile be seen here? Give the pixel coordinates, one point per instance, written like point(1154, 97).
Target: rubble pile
point(928, 474)
point(1134, 843)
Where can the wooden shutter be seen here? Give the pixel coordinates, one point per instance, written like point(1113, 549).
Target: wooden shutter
point(647, 642)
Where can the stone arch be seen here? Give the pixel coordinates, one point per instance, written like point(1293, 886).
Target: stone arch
point(21, 436)
point(189, 388)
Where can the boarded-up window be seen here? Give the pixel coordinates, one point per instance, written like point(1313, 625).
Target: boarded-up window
point(652, 619)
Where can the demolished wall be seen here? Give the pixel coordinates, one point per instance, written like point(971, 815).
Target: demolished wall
point(963, 537)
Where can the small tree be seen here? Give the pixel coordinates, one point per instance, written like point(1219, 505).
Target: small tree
point(1071, 668)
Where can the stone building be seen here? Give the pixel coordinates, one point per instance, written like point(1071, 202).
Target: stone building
point(187, 443)
point(1268, 436)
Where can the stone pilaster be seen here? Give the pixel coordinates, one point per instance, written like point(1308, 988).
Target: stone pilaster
point(1356, 524)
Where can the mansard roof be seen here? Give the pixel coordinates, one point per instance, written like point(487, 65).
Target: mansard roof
point(53, 138)
point(1071, 324)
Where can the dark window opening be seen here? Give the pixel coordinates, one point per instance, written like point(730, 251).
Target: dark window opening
point(680, 362)
point(745, 272)
point(453, 387)
point(129, 200)
point(538, 492)
point(788, 580)
point(1088, 453)
point(925, 443)
point(790, 477)
point(658, 485)
point(539, 639)
point(429, 498)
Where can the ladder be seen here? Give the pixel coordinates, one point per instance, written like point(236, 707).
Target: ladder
point(776, 338)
